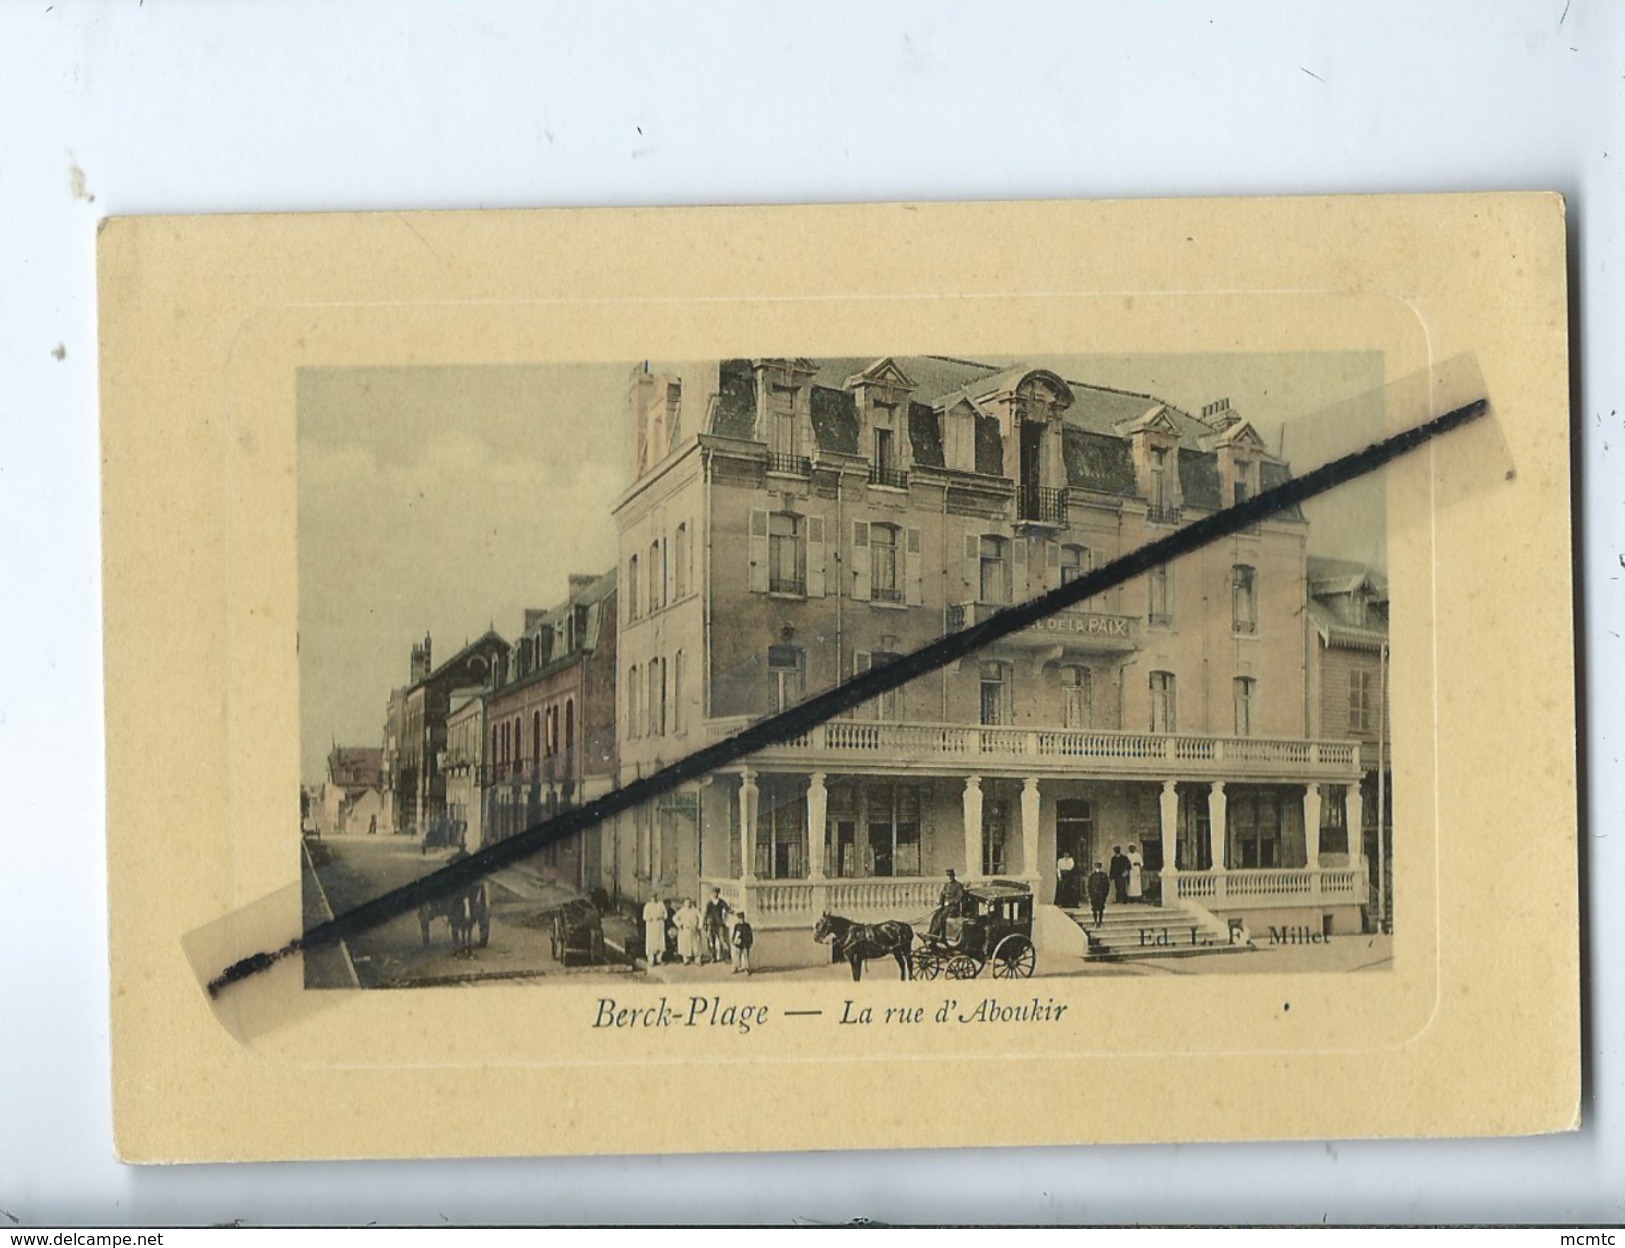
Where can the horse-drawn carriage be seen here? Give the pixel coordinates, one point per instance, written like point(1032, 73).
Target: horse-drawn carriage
point(994, 927)
point(466, 911)
point(444, 833)
point(577, 933)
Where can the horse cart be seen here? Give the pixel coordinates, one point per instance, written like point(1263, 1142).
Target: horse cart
point(466, 911)
point(994, 927)
point(578, 933)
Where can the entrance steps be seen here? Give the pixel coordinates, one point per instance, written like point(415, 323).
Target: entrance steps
point(1135, 930)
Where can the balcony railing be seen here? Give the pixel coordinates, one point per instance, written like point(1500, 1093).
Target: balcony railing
point(1162, 514)
point(896, 478)
point(794, 903)
point(1275, 886)
point(1042, 504)
point(789, 465)
point(1160, 755)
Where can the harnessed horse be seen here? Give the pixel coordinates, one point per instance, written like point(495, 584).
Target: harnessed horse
point(857, 943)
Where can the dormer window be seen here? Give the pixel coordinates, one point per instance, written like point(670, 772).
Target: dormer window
point(1357, 601)
point(1243, 485)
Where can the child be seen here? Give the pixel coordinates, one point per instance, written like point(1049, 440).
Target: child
point(743, 938)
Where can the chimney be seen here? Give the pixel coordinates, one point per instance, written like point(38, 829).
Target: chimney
point(428, 663)
point(418, 670)
point(1219, 415)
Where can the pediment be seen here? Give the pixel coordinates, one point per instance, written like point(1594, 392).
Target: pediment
point(883, 372)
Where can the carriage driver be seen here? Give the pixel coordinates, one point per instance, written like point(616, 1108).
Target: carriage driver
point(949, 903)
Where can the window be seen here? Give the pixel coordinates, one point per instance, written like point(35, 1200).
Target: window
point(1357, 609)
point(894, 829)
point(784, 554)
point(657, 697)
point(883, 453)
point(657, 577)
point(1242, 491)
point(781, 838)
point(786, 673)
point(632, 588)
point(518, 741)
point(995, 835)
point(1360, 719)
point(884, 584)
point(1159, 480)
point(1243, 600)
point(1334, 830)
point(783, 433)
point(680, 563)
point(1194, 852)
point(634, 701)
point(995, 693)
point(569, 723)
point(1255, 830)
point(1160, 607)
point(995, 584)
point(883, 707)
point(1243, 688)
point(544, 744)
point(1163, 709)
point(676, 694)
point(1077, 687)
point(1075, 561)
point(1075, 830)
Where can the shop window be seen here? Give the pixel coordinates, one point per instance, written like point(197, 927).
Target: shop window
point(1243, 689)
point(894, 829)
point(1243, 600)
point(995, 693)
point(786, 677)
point(1077, 688)
point(1360, 701)
point(1164, 709)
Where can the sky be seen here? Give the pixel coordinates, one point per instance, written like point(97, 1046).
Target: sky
point(446, 500)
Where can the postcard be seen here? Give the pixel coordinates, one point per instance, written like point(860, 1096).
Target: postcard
point(468, 529)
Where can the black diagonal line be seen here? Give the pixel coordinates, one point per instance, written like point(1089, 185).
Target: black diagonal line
point(803, 718)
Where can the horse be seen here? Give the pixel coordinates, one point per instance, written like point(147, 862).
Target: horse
point(856, 943)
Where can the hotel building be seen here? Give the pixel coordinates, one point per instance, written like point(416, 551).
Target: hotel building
point(795, 521)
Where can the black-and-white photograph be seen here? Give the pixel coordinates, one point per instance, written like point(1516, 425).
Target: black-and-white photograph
point(523, 587)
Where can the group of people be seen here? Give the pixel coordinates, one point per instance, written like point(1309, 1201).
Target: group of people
point(1125, 877)
point(680, 932)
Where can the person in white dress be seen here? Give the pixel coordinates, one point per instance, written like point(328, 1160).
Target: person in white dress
point(1136, 874)
point(654, 930)
point(687, 920)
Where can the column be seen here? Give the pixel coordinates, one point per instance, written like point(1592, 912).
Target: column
point(748, 797)
point(1169, 809)
point(973, 826)
point(1311, 826)
point(1029, 828)
point(817, 833)
point(1354, 820)
point(1218, 825)
point(1311, 835)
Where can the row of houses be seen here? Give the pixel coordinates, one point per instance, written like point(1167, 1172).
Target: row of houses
point(793, 522)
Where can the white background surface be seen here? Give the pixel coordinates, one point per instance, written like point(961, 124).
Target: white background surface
point(170, 107)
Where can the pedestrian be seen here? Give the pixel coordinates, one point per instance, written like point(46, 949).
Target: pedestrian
point(1066, 887)
point(372, 826)
point(715, 922)
point(1099, 885)
point(743, 939)
point(1119, 874)
point(654, 930)
point(1136, 874)
point(688, 932)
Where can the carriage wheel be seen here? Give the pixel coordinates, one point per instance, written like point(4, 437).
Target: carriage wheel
point(1015, 958)
point(927, 965)
point(963, 966)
